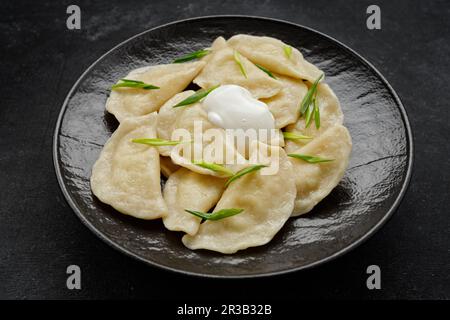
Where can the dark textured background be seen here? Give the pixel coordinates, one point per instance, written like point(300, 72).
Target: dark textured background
point(40, 236)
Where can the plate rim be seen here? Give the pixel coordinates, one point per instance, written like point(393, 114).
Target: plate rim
point(350, 247)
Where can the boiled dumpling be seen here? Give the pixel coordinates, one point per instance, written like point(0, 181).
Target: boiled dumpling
point(330, 115)
point(186, 189)
point(267, 201)
point(223, 69)
point(315, 181)
point(171, 78)
point(179, 124)
point(219, 147)
point(126, 174)
point(269, 53)
point(285, 106)
point(226, 155)
point(170, 119)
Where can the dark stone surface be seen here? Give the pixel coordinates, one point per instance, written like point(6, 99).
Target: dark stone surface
point(40, 236)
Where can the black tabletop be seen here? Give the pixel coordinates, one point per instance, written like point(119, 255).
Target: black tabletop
point(40, 236)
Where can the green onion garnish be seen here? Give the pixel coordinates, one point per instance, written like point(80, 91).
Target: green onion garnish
point(158, 142)
point(197, 96)
point(193, 55)
point(237, 58)
point(214, 167)
point(307, 100)
point(316, 113)
point(224, 213)
point(270, 74)
point(294, 136)
point(287, 51)
point(127, 83)
point(308, 116)
point(308, 158)
point(244, 171)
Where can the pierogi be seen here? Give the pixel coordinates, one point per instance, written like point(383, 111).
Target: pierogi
point(271, 54)
point(224, 195)
point(223, 69)
point(284, 106)
point(170, 78)
point(330, 116)
point(267, 202)
point(315, 181)
point(171, 119)
point(126, 175)
point(188, 189)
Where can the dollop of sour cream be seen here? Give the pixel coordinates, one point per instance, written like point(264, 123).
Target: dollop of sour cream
point(233, 107)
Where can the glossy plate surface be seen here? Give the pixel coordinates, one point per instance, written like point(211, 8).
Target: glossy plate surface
point(371, 189)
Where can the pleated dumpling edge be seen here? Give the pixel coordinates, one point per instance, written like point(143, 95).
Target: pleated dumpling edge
point(267, 201)
point(170, 78)
point(127, 175)
point(272, 54)
point(314, 181)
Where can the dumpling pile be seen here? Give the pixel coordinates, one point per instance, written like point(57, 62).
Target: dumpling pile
point(220, 206)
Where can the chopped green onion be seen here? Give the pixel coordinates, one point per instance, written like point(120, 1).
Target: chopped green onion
point(127, 83)
point(224, 213)
point(308, 158)
point(287, 51)
point(244, 171)
point(294, 136)
point(306, 102)
point(191, 56)
point(316, 113)
point(197, 96)
point(158, 142)
point(308, 116)
point(237, 58)
point(214, 167)
point(270, 74)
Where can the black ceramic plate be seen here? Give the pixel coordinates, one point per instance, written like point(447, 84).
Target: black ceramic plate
point(371, 189)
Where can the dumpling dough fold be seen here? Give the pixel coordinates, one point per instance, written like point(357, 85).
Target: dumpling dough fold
point(267, 201)
point(218, 43)
point(218, 147)
point(269, 53)
point(126, 174)
point(285, 105)
point(186, 117)
point(223, 69)
point(171, 78)
point(315, 181)
point(186, 189)
point(167, 166)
